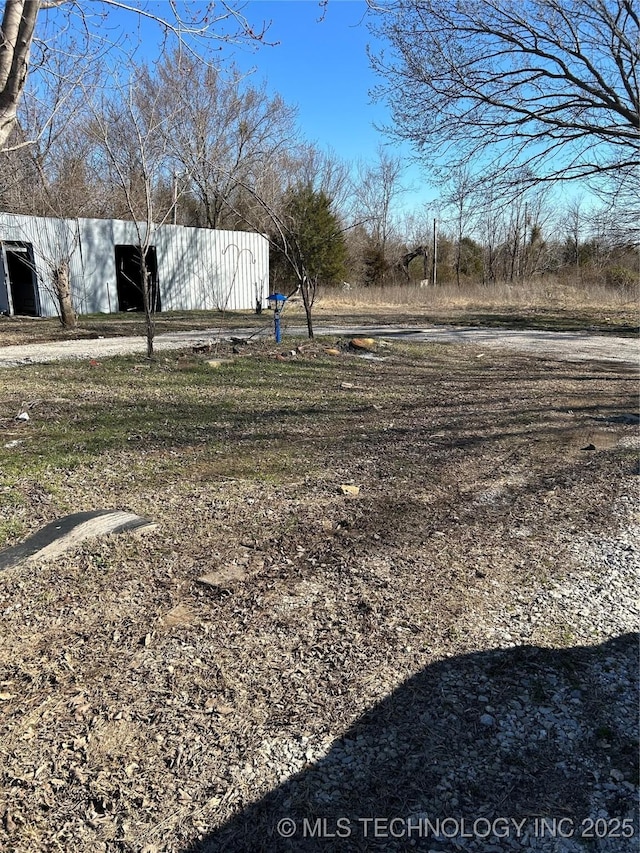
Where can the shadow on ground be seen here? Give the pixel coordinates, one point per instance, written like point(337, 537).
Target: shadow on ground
point(490, 744)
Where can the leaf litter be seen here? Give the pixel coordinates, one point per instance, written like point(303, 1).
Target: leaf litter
point(142, 705)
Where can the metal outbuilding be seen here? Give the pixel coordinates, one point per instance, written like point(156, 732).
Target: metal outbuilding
point(191, 268)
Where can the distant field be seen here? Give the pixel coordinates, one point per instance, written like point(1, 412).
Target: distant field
point(539, 304)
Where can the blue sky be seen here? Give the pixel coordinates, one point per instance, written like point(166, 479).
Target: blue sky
point(321, 66)
point(318, 63)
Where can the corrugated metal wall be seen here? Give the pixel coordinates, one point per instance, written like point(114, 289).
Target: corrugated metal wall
point(53, 240)
point(197, 268)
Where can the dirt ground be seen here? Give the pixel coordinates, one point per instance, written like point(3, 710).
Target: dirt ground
point(154, 687)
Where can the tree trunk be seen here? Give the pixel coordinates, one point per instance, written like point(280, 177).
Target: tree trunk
point(18, 24)
point(62, 284)
point(515, 248)
point(308, 303)
point(148, 301)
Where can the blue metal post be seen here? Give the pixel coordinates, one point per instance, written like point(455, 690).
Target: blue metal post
point(276, 301)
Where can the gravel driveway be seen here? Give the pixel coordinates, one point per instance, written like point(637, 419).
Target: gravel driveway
point(570, 346)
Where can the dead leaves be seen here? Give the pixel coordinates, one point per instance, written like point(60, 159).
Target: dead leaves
point(216, 705)
point(79, 706)
point(223, 577)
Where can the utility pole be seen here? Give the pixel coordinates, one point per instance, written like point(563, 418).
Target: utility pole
point(175, 197)
point(434, 271)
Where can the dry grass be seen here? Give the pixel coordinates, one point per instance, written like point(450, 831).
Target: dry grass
point(549, 305)
point(534, 294)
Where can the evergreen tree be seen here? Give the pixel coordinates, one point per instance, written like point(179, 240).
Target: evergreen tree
point(312, 242)
point(317, 235)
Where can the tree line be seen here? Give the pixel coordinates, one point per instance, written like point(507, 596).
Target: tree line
point(229, 155)
point(504, 107)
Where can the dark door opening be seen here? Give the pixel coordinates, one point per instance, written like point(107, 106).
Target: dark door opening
point(22, 280)
point(129, 278)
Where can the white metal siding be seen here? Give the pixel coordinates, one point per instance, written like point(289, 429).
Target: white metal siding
point(99, 293)
point(197, 268)
point(53, 241)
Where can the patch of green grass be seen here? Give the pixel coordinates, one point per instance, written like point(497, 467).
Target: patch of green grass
point(11, 498)
point(10, 530)
point(249, 412)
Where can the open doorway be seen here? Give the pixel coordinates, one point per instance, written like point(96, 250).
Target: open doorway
point(21, 282)
point(129, 278)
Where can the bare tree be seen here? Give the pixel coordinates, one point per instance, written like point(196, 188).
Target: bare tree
point(130, 134)
point(297, 199)
point(545, 90)
point(306, 234)
point(296, 164)
point(33, 30)
point(377, 186)
point(491, 231)
point(50, 178)
point(19, 179)
point(57, 250)
point(516, 237)
point(573, 228)
point(325, 171)
point(458, 197)
point(36, 162)
point(229, 130)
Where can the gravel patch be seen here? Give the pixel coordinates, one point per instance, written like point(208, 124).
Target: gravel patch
point(570, 346)
point(518, 748)
point(42, 353)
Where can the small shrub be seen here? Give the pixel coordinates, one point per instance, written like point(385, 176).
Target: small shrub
point(621, 277)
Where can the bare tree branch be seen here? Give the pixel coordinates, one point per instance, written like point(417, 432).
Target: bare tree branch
point(536, 91)
point(77, 29)
point(131, 135)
